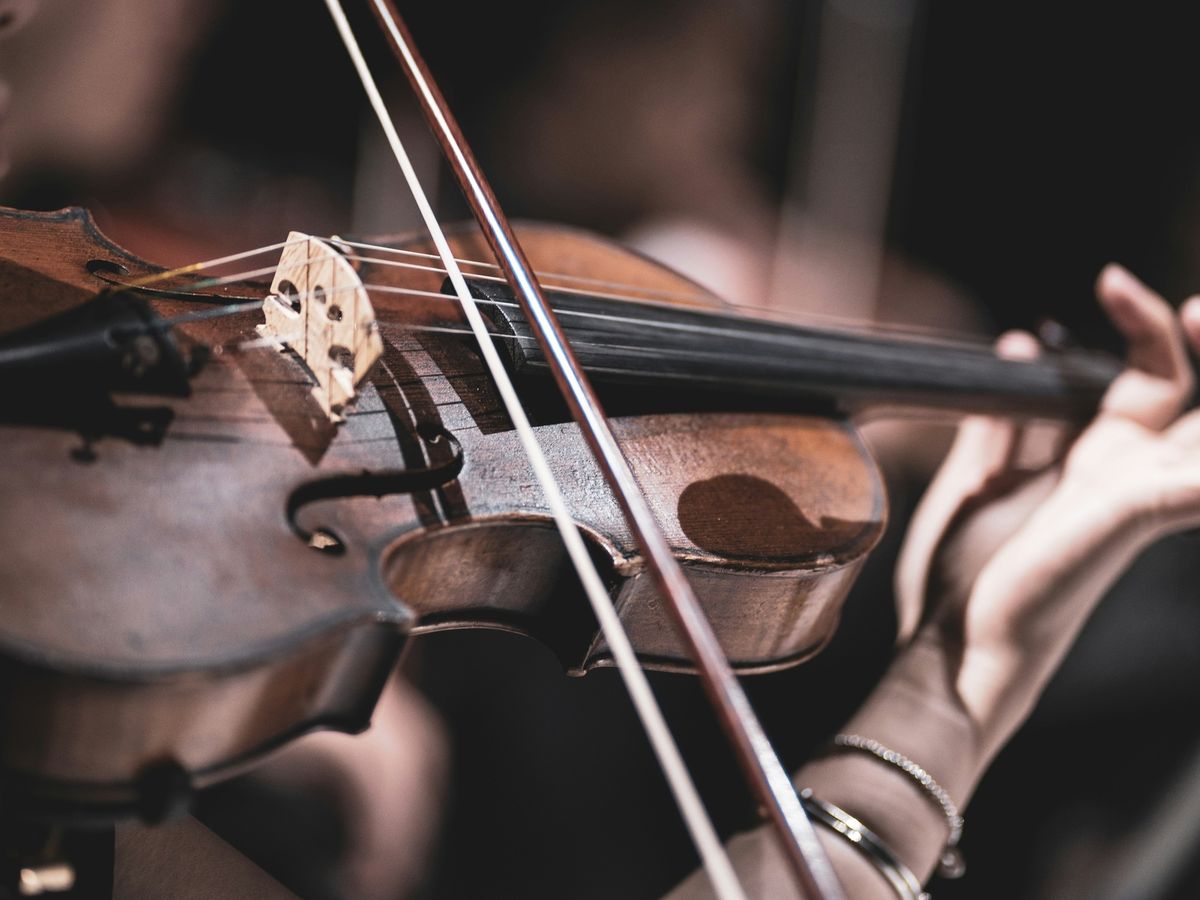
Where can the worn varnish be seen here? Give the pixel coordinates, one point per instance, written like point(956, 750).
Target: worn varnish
point(165, 619)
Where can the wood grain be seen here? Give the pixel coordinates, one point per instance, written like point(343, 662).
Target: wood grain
point(161, 608)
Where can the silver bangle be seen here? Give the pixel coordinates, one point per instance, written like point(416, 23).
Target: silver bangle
point(899, 876)
point(951, 864)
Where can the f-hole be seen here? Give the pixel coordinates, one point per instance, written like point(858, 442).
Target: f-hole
point(378, 483)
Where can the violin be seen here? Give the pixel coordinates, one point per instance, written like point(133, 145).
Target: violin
point(230, 499)
point(219, 567)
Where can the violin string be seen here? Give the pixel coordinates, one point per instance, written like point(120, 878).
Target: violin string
point(703, 833)
point(406, 327)
point(724, 331)
point(622, 290)
point(244, 306)
point(718, 331)
point(637, 294)
point(562, 289)
point(393, 328)
point(644, 292)
point(155, 277)
point(651, 296)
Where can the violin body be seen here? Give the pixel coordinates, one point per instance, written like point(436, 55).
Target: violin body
point(189, 582)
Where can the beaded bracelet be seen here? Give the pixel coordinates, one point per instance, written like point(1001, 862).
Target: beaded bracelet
point(951, 864)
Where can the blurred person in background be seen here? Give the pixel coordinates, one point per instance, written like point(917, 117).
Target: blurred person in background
point(94, 119)
point(197, 155)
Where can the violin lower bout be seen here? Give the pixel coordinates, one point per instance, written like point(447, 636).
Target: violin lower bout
point(771, 516)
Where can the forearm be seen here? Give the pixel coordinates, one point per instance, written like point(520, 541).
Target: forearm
point(948, 712)
point(955, 695)
point(914, 711)
point(952, 710)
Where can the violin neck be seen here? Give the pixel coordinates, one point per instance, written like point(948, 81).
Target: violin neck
point(681, 349)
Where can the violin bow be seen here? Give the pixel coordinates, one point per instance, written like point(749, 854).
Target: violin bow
point(765, 774)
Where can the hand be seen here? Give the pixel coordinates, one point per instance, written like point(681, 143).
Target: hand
point(1014, 544)
point(13, 15)
point(1018, 537)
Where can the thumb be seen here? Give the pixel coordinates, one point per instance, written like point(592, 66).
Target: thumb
point(983, 449)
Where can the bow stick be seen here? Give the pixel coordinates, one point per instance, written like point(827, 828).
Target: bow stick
point(761, 767)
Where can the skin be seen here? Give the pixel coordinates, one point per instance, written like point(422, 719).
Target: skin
point(384, 787)
point(1017, 540)
point(1020, 535)
point(1009, 553)
point(13, 15)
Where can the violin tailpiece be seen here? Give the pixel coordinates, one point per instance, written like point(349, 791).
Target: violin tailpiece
point(319, 308)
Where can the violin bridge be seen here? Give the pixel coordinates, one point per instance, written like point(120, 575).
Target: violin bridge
point(319, 308)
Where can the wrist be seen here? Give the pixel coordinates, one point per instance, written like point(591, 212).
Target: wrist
point(915, 711)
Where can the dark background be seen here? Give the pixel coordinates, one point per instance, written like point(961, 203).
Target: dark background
point(1037, 142)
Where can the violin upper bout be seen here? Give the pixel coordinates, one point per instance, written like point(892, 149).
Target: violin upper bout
point(48, 263)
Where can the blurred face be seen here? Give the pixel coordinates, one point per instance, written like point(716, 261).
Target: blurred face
point(91, 81)
point(13, 14)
